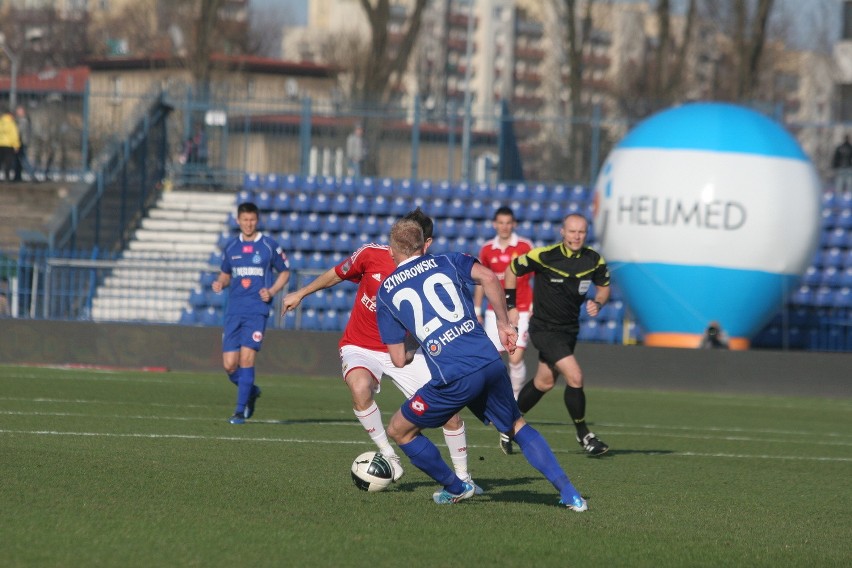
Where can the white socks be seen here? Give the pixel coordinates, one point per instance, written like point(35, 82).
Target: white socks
point(457, 444)
point(371, 420)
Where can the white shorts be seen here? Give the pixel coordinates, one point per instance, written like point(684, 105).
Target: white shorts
point(490, 325)
point(407, 379)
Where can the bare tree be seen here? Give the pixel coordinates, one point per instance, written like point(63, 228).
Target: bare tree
point(576, 39)
point(749, 40)
point(382, 71)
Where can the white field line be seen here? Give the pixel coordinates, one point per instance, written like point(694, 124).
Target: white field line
point(361, 442)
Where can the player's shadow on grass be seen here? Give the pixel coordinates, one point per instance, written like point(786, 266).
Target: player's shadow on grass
point(612, 453)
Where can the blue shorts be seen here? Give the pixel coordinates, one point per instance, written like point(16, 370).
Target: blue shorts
point(486, 392)
point(243, 330)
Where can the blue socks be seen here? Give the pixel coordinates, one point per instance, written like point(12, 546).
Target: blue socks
point(426, 457)
point(245, 386)
point(541, 457)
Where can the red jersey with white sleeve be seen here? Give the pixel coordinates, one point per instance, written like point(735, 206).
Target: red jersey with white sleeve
point(497, 259)
point(367, 266)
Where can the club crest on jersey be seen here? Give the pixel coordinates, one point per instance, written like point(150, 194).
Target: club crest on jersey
point(245, 282)
point(247, 249)
point(256, 258)
point(418, 406)
point(257, 337)
point(433, 346)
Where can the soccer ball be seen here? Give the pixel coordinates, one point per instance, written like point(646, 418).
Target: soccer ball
point(371, 471)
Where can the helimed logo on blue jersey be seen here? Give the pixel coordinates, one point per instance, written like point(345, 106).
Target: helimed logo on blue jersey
point(434, 347)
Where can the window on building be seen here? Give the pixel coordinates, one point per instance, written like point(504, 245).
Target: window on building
point(847, 20)
point(845, 102)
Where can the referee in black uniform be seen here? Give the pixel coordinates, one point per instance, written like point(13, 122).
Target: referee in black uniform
point(564, 272)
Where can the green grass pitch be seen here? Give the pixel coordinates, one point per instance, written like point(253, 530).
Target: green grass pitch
point(142, 469)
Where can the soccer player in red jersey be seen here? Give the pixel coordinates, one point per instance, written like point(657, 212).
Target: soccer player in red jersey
point(363, 356)
point(496, 254)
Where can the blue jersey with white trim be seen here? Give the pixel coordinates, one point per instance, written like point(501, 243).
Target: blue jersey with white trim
point(251, 265)
point(429, 297)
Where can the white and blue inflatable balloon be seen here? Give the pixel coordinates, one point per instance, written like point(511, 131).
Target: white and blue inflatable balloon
point(707, 212)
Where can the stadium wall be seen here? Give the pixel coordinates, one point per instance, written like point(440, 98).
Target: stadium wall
point(180, 348)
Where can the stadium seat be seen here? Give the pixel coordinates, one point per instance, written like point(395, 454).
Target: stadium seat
point(842, 298)
point(308, 185)
point(405, 188)
point(502, 192)
point(293, 222)
point(244, 196)
point(468, 229)
point(609, 332)
point(211, 317)
point(330, 321)
point(351, 224)
point(520, 192)
point(347, 186)
point(456, 209)
point(198, 297)
point(612, 311)
point(481, 191)
point(332, 223)
point(370, 225)
point(315, 261)
point(296, 259)
point(301, 202)
point(187, 317)
point(823, 297)
point(836, 238)
point(289, 182)
point(309, 320)
point(327, 185)
point(285, 241)
point(437, 208)
point(476, 210)
point(448, 227)
point(526, 229)
point(207, 279)
point(443, 189)
point(250, 182)
point(588, 330)
point(365, 186)
point(846, 277)
point(580, 194)
point(831, 277)
point(440, 244)
point(424, 189)
point(385, 188)
point(311, 223)
point(462, 190)
point(360, 205)
point(270, 222)
point(340, 204)
point(812, 276)
point(559, 193)
point(380, 205)
point(263, 200)
point(323, 242)
point(844, 219)
point(831, 257)
point(215, 258)
point(534, 212)
point(303, 241)
point(399, 206)
point(539, 193)
point(281, 202)
point(271, 182)
point(288, 320)
point(341, 299)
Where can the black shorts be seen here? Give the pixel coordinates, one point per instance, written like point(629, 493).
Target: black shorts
point(554, 345)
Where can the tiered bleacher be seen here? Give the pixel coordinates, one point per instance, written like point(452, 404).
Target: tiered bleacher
point(320, 220)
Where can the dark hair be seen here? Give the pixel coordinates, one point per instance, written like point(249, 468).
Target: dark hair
point(504, 211)
point(423, 220)
point(247, 207)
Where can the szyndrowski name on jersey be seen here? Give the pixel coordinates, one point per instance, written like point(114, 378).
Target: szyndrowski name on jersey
point(403, 275)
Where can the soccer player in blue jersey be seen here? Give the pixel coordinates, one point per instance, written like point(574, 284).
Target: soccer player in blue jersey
point(428, 298)
point(248, 261)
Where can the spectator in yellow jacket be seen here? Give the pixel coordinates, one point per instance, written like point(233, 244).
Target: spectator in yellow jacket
point(10, 143)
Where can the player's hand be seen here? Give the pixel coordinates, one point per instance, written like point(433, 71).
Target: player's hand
point(216, 286)
point(514, 316)
point(265, 295)
point(508, 334)
point(290, 302)
point(592, 308)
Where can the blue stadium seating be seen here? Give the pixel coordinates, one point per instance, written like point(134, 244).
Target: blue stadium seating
point(534, 212)
point(285, 241)
point(365, 186)
point(399, 206)
point(211, 317)
point(207, 279)
point(323, 242)
point(351, 224)
point(198, 297)
point(321, 203)
point(347, 186)
point(217, 300)
point(380, 205)
point(270, 222)
point(443, 190)
point(330, 320)
point(301, 202)
point(293, 222)
point(405, 188)
point(386, 188)
point(309, 319)
point(341, 299)
point(289, 183)
point(559, 193)
point(520, 192)
point(296, 259)
point(327, 185)
point(308, 185)
point(481, 191)
point(340, 204)
point(332, 223)
point(251, 181)
point(281, 201)
point(540, 193)
point(424, 189)
point(360, 205)
point(447, 227)
point(187, 317)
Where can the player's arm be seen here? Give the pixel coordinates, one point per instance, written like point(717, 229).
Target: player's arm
point(221, 282)
point(400, 356)
point(478, 294)
point(510, 284)
point(277, 286)
point(327, 279)
point(493, 290)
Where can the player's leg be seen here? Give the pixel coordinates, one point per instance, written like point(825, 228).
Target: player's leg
point(231, 347)
point(363, 369)
point(517, 364)
point(251, 341)
point(429, 409)
point(498, 406)
point(575, 403)
point(408, 380)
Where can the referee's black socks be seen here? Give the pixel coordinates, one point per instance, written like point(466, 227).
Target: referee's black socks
point(575, 402)
point(529, 397)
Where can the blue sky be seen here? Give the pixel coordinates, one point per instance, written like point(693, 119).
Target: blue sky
point(298, 9)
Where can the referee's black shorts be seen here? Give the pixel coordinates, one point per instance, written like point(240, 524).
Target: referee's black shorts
point(554, 345)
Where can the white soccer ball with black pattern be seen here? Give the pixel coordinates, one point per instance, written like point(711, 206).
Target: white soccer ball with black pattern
point(371, 471)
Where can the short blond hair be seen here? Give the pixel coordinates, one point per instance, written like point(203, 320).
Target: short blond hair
point(406, 237)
